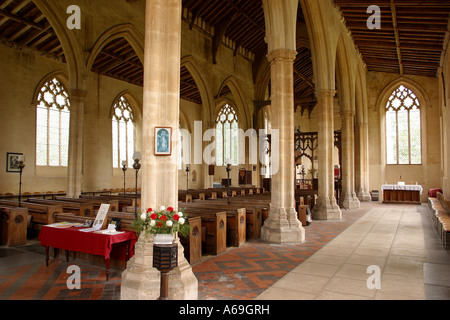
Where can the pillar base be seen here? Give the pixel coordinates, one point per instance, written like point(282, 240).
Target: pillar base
point(350, 201)
point(326, 210)
point(364, 196)
point(277, 228)
point(140, 281)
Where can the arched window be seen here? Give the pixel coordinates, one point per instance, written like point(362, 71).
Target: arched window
point(123, 133)
point(403, 128)
point(52, 125)
point(227, 136)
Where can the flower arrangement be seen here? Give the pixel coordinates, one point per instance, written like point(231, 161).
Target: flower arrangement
point(163, 221)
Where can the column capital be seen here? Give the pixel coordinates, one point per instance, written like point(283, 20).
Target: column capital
point(347, 114)
point(325, 93)
point(361, 124)
point(78, 93)
point(281, 54)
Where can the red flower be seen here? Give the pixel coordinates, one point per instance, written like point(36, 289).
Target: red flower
point(176, 217)
point(170, 209)
point(163, 218)
point(149, 210)
point(159, 224)
point(154, 216)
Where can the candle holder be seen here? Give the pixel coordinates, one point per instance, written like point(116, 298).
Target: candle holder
point(124, 169)
point(136, 166)
point(187, 179)
point(20, 165)
point(228, 179)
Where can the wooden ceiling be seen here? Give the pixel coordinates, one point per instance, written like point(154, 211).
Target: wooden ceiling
point(23, 26)
point(410, 40)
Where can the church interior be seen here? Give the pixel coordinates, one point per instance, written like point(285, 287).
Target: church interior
point(306, 141)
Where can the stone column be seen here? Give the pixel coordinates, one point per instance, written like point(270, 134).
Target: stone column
point(283, 225)
point(326, 207)
point(159, 174)
point(348, 199)
point(362, 188)
point(75, 165)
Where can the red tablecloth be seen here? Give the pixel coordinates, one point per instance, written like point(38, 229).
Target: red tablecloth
point(73, 239)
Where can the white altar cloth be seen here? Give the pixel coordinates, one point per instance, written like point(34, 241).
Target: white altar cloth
point(411, 187)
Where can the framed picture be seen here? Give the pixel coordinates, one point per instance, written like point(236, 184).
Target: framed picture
point(163, 141)
point(12, 161)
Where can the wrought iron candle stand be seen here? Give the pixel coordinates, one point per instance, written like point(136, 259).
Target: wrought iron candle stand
point(20, 165)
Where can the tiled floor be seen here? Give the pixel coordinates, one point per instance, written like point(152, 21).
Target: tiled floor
point(331, 264)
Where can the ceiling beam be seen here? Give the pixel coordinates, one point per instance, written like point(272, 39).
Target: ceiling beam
point(397, 38)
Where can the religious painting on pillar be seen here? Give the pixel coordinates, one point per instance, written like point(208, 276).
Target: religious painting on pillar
point(163, 141)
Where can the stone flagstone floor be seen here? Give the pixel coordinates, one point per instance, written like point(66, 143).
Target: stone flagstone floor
point(331, 264)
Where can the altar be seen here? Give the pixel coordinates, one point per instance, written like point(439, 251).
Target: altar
point(406, 194)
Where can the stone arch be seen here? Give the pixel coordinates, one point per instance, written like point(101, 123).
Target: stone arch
point(184, 121)
point(280, 35)
point(323, 33)
point(72, 49)
point(205, 91)
point(127, 31)
point(360, 97)
point(239, 100)
point(262, 81)
point(345, 75)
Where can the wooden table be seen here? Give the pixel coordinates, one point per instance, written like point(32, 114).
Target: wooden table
point(402, 194)
point(72, 239)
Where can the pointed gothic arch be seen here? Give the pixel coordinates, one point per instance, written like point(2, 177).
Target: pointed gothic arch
point(127, 31)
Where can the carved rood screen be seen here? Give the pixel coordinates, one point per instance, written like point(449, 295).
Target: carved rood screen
point(306, 144)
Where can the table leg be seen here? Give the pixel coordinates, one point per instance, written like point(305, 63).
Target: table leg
point(128, 249)
point(107, 260)
point(46, 255)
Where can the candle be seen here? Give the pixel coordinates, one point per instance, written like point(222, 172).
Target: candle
point(124, 163)
point(21, 158)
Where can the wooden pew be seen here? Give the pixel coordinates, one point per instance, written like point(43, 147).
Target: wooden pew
point(193, 244)
point(214, 231)
point(114, 204)
point(13, 225)
point(253, 213)
point(236, 222)
point(41, 213)
point(123, 201)
point(80, 209)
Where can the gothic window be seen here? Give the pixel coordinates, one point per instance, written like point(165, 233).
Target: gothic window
point(123, 133)
point(52, 125)
point(227, 136)
point(403, 128)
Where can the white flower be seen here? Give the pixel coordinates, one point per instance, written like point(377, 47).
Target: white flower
point(143, 216)
point(181, 221)
point(169, 223)
point(180, 214)
point(152, 223)
point(162, 208)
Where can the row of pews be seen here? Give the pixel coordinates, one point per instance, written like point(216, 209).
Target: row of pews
point(215, 223)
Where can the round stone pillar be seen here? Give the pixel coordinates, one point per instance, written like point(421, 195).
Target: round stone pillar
point(326, 207)
point(282, 224)
point(159, 174)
